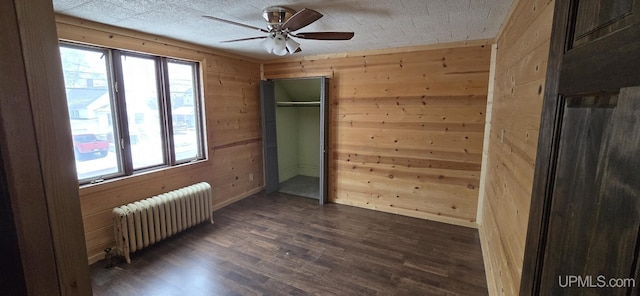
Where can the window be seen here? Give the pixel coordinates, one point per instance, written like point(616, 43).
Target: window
point(130, 112)
point(183, 109)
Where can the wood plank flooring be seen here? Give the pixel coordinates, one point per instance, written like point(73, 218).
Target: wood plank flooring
point(282, 244)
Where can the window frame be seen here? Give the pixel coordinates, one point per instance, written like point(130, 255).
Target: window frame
point(122, 137)
point(198, 105)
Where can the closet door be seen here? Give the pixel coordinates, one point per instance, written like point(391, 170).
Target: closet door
point(269, 139)
point(324, 140)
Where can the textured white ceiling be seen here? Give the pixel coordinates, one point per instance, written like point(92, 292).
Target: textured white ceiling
point(377, 24)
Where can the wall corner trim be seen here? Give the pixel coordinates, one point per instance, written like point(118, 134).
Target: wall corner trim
point(487, 133)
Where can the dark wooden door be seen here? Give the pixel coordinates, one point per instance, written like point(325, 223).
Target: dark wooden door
point(269, 137)
point(584, 236)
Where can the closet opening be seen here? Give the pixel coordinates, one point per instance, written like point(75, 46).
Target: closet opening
point(294, 136)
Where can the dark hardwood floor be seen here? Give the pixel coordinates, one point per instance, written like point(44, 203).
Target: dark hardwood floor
point(287, 245)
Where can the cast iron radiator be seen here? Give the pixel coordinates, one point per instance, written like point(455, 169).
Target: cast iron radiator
point(145, 222)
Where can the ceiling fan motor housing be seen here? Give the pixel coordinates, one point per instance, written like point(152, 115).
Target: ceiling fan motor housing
point(277, 15)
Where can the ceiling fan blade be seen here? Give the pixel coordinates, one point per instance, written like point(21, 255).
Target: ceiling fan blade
point(325, 35)
point(243, 39)
point(234, 23)
point(301, 19)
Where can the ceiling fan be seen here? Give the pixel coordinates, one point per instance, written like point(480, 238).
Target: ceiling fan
point(282, 23)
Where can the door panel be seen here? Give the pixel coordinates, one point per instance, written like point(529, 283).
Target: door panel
point(595, 211)
point(606, 64)
point(269, 138)
point(585, 211)
point(596, 18)
point(600, 58)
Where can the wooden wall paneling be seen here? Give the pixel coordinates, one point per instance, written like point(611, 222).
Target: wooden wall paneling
point(232, 126)
point(98, 219)
point(521, 65)
point(426, 114)
point(406, 162)
point(357, 198)
point(532, 19)
point(239, 163)
point(51, 121)
point(78, 34)
point(446, 101)
point(36, 152)
point(304, 66)
point(490, 232)
point(406, 128)
point(434, 193)
point(99, 197)
point(99, 237)
point(432, 176)
point(435, 140)
point(30, 265)
point(506, 208)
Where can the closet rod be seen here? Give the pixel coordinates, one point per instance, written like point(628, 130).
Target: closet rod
point(299, 104)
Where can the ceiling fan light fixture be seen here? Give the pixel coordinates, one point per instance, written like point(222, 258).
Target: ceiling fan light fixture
point(279, 44)
point(292, 45)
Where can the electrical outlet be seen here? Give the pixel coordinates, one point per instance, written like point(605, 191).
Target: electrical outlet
point(250, 176)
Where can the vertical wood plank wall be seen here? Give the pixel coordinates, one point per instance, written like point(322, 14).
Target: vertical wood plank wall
point(406, 128)
point(523, 49)
point(43, 242)
point(232, 111)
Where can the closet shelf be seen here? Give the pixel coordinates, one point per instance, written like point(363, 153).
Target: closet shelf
point(299, 104)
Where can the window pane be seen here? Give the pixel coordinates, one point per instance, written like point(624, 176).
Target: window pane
point(143, 112)
point(184, 110)
point(91, 112)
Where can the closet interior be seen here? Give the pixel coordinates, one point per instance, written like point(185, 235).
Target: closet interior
point(298, 135)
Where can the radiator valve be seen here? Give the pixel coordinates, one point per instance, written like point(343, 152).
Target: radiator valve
point(108, 258)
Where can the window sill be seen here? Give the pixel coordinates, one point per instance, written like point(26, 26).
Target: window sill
point(144, 175)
